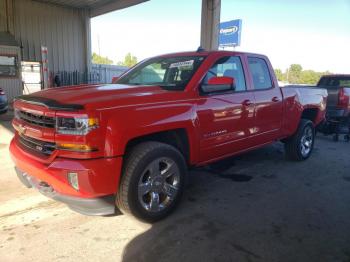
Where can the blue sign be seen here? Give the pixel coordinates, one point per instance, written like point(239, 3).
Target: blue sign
point(230, 33)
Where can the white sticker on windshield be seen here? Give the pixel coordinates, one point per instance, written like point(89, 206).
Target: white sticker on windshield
point(182, 64)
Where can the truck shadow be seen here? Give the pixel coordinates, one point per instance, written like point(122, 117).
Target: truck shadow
point(220, 220)
point(255, 207)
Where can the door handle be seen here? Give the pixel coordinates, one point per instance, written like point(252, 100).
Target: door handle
point(247, 102)
point(275, 99)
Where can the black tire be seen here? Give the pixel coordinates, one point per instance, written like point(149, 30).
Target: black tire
point(136, 162)
point(293, 145)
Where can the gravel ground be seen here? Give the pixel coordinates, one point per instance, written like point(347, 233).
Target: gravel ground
point(255, 207)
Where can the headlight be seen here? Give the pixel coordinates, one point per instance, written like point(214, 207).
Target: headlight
point(75, 125)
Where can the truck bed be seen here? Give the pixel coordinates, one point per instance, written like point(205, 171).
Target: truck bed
point(306, 94)
point(333, 93)
point(298, 97)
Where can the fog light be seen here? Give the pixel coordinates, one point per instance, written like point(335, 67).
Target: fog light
point(76, 147)
point(73, 180)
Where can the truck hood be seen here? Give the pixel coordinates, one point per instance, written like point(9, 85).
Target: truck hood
point(102, 96)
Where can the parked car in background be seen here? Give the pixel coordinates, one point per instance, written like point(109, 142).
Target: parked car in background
point(129, 144)
point(3, 102)
point(338, 105)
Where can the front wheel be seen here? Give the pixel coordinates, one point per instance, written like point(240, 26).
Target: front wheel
point(299, 147)
point(153, 181)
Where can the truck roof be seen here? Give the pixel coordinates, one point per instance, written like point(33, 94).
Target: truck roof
point(206, 53)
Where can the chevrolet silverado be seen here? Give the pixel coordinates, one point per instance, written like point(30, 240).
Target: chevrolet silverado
point(129, 145)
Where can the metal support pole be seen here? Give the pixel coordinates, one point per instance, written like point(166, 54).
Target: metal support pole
point(87, 21)
point(210, 24)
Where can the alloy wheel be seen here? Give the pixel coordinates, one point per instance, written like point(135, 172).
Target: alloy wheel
point(159, 184)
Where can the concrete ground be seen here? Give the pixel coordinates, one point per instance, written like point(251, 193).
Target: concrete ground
point(256, 207)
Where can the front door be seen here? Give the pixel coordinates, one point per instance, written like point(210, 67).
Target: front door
point(226, 119)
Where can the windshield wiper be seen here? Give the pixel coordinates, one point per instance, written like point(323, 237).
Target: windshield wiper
point(161, 84)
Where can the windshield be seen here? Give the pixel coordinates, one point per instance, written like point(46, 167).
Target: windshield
point(167, 72)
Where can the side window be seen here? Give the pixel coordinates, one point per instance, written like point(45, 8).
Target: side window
point(230, 66)
point(260, 73)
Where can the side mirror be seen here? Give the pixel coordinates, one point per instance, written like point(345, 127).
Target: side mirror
point(115, 79)
point(218, 84)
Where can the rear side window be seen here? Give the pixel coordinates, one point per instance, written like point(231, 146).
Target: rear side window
point(229, 66)
point(335, 81)
point(260, 73)
point(344, 82)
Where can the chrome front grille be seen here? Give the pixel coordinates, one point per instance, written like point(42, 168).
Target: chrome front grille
point(38, 146)
point(34, 119)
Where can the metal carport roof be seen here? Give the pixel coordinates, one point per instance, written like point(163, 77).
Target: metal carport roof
point(96, 7)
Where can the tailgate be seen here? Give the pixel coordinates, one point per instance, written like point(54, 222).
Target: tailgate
point(333, 94)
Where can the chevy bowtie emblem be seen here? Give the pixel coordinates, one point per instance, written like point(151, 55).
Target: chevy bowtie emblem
point(21, 129)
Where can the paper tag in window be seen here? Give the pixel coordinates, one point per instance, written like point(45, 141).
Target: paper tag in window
point(183, 64)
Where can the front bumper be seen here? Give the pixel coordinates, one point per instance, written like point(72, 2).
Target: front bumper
point(87, 206)
point(98, 178)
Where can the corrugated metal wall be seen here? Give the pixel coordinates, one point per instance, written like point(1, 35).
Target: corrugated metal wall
point(6, 18)
point(3, 16)
point(62, 30)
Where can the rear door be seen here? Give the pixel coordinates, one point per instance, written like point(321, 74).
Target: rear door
point(268, 100)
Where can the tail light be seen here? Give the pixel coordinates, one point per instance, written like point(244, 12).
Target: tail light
point(343, 99)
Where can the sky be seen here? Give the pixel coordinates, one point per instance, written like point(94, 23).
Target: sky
point(312, 33)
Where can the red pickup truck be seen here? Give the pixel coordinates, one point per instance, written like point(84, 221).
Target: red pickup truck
point(129, 144)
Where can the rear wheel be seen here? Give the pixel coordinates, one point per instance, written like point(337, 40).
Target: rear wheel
point(299, 147)
point(153, 181)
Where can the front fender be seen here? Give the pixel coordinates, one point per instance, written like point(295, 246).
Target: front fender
point(125, 124)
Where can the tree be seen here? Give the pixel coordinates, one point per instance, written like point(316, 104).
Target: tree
point(280, 76)
point(97, 59)
point(294, 74)
point(310, 77)
point(129, 60)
